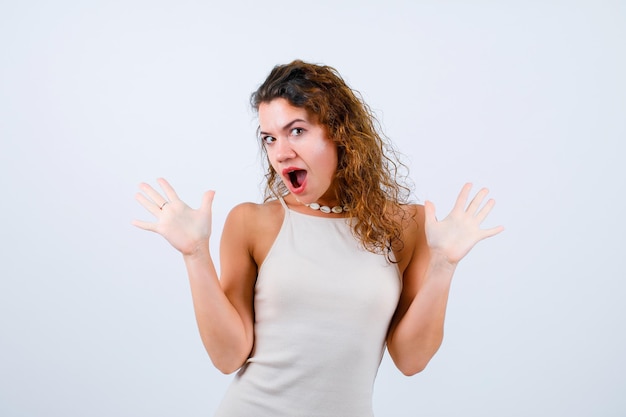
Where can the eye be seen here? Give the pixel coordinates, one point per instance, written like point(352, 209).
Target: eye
point(296, 131)
point(268, 140)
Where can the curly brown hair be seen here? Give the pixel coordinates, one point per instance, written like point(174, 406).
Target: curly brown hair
point(368, 175)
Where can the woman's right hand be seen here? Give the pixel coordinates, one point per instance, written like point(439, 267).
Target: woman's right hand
point(186, 229)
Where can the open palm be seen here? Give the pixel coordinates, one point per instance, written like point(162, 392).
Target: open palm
point(186, 229)
point(457, 233)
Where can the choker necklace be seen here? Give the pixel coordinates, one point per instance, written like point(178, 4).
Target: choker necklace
point(326, 209)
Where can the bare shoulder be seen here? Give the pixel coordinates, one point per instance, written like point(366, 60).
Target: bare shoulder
point(413, 211)
point(413, 236)
point(254, 215)
point(259, 223)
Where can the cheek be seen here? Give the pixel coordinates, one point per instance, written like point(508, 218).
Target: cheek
point(328, 157)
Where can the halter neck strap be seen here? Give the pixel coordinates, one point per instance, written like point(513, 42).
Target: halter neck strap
point(282, 202)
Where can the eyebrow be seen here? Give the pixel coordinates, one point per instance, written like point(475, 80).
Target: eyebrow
point(286, 127)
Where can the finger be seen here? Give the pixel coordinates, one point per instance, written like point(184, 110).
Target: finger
point(491, 232)
point(477, 201)
point(461, 200)
point(484, 212)
point(144, 225)
point(429, 213)
point(169, 190)
point(147, 204)
point(157, 198)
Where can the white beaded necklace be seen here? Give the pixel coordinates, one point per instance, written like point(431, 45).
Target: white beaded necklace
point(326, 209)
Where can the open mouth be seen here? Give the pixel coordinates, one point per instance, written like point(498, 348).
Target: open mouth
point(297, 177)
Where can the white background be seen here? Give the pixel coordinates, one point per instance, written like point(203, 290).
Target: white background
point(525, 97)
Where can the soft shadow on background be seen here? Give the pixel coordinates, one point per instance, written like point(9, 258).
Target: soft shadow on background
point(525, 97)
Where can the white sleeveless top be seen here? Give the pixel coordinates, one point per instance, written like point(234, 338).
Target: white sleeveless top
point(322, 309)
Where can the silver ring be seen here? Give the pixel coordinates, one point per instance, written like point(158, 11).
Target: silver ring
point(163, 205)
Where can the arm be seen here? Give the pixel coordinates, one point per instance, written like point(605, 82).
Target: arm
point(416, 331)
point(224, 308)
point(224, 317)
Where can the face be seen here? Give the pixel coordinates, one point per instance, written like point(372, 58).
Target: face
point(299, 151)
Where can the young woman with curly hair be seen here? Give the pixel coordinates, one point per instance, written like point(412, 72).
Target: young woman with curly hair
point(330, 269)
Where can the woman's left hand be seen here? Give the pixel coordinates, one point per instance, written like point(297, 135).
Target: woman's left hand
point(454, 236)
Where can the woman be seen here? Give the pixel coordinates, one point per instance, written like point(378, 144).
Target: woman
point(332, 267)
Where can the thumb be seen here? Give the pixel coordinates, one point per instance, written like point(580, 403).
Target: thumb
point(207, 200)
point(429, 212)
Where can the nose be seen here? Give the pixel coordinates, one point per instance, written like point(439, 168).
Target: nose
point(283, 149)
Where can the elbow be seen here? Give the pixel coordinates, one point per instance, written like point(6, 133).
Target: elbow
point(227, 367)
point(412, 368)
point(227, 364)
point(411, 362)
point(227, 359)
point(227, 370)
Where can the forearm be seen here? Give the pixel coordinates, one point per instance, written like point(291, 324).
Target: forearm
point(220, 325)
point(419, 332)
